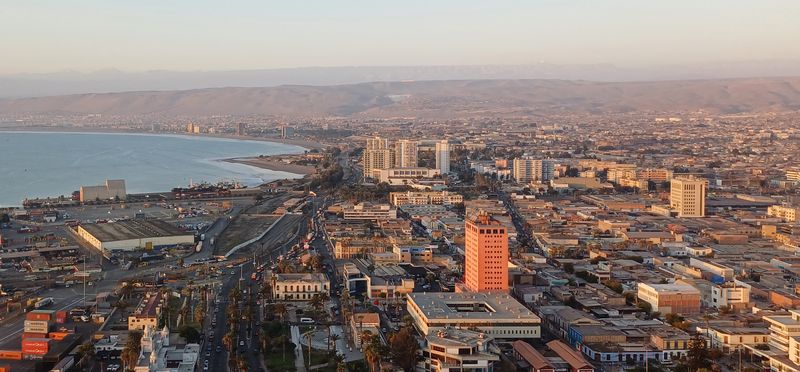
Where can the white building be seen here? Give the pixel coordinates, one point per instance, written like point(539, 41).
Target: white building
point(782, 211)
point(495, 313)
point(784, 348)
point(404, 176)
point(443, 157)
point(451, 350)
point(299, 286)
point(730, 295)
point(687, 196)
point(528, 169)
point(368, 211)
point(424, 198)
point(129, 235)
point(157, 354)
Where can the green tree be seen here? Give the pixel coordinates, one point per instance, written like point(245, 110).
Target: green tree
point(189, 333)
point(403, 348)
point(697, 356)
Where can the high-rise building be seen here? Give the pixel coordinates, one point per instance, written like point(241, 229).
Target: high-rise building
point(190, 128)
point(377, 156)
point(405, 154)
point(443, 157)
point(286, 131)
point(241, 128)
point(528, 169)
point(687, 195)
point(486, 254)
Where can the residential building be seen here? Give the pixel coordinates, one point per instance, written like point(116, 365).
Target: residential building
point(783, 352)
point(404, 176)
point(688, 196)
point(451, 350)
point(405, 154)
point(486, 254)
point(364, 323)
point(678, 297)
point(733, 338)
point(377, 156)
point(369, 211)
point(576, 361)
point(528, 169)
point(535, 361)
point(497, 314)
point(424, 197)
point(443, 157)
point(299, 286)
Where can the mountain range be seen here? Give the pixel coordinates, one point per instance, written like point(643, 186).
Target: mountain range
point(436, 99)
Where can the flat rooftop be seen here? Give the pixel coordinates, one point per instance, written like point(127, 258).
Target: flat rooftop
point(302, 277)
point(132, 229)
point(488, 307)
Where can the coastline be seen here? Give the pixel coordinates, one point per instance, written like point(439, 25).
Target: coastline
point(36, 129)
point(269, 164)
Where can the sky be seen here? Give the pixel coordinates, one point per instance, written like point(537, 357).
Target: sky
point(190, 35)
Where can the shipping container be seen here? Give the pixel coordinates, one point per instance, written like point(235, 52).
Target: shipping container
point(35, 346)
point(57, 336)
point(36, 326)
point(11, 354)
point(26, 335)
point(61, 317)
point(40, 316)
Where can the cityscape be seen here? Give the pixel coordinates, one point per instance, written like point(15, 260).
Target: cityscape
point(409, 223)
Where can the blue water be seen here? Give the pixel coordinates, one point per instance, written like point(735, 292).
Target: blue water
point(52, 164)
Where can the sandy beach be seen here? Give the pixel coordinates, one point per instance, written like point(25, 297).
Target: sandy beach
point(274, 165)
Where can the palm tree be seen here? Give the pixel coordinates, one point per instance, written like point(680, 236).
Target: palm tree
point(373, 352)
point(340, 363)
point(227, 341)
point(85, 352)
point(332, 341)
point(241, 362)
point(280, 309)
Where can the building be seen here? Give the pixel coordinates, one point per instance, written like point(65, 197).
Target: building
point(403, 176)
point(128, 235)
point(299, 286)
point(729, 295)
point(687, 196)
point(451, 350)
point(528, 169)
point(734, 338)
point(576, 361)
point(497, 314)
point(424, 198)
point(147, 313)
point(486, 254)
point(793, 175)
point(112, 189)
point(368, 211)
point(286, 131)
point(783, 352)
point(405, 154)
point(361, 323)
point(787, 213)
point(534, 360)
point(443, 157)
point(376, 156)
point(678, 297)
point(156, 353)
point(241, 129)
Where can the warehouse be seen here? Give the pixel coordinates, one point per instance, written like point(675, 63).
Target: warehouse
point(130, 235)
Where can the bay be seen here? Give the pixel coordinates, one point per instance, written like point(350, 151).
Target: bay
point(42, 164)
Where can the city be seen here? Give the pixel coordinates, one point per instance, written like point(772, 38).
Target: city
point(448, 186)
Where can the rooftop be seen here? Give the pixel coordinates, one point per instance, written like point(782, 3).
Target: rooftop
point(132, 229)
point(489, 307)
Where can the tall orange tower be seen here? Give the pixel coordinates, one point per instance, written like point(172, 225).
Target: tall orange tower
point(486, 250)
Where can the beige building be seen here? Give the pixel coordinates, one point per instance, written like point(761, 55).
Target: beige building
point(688, 196)
point(443, 157)
point(497, 314)
point(112, 189)
point(129, 235)
point(147, 313)
point(424, 198)
point(405, 154)
point(730, 295)
point(299, 286)
point(787, 213)
point(377, 155)
point(784, 348)
point(528, 169)
point(404, 176)
point(368, 211)
point(457, 350)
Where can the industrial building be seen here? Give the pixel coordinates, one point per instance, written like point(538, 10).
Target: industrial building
point(112, 189)
point(130, 235)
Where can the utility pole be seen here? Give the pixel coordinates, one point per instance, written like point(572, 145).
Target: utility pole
point(84, 281)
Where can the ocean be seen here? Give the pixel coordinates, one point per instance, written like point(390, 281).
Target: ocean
point(41, 164)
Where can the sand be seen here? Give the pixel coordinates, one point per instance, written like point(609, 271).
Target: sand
point(268, 163)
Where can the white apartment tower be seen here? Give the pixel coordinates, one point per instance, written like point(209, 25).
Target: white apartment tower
point(528, 169)
point(687, 195)
point(377, 155)
point(405, 154)
point(443, 157)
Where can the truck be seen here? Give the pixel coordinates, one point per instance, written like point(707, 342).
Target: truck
point(47, 301)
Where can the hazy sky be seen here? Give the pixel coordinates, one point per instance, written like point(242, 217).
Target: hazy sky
point(89, 35)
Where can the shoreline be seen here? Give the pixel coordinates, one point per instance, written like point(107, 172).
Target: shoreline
point(273, 165)
point(307, 145)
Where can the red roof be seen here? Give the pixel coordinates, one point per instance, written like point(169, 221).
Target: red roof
point(533, 357)
point(570, 355)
